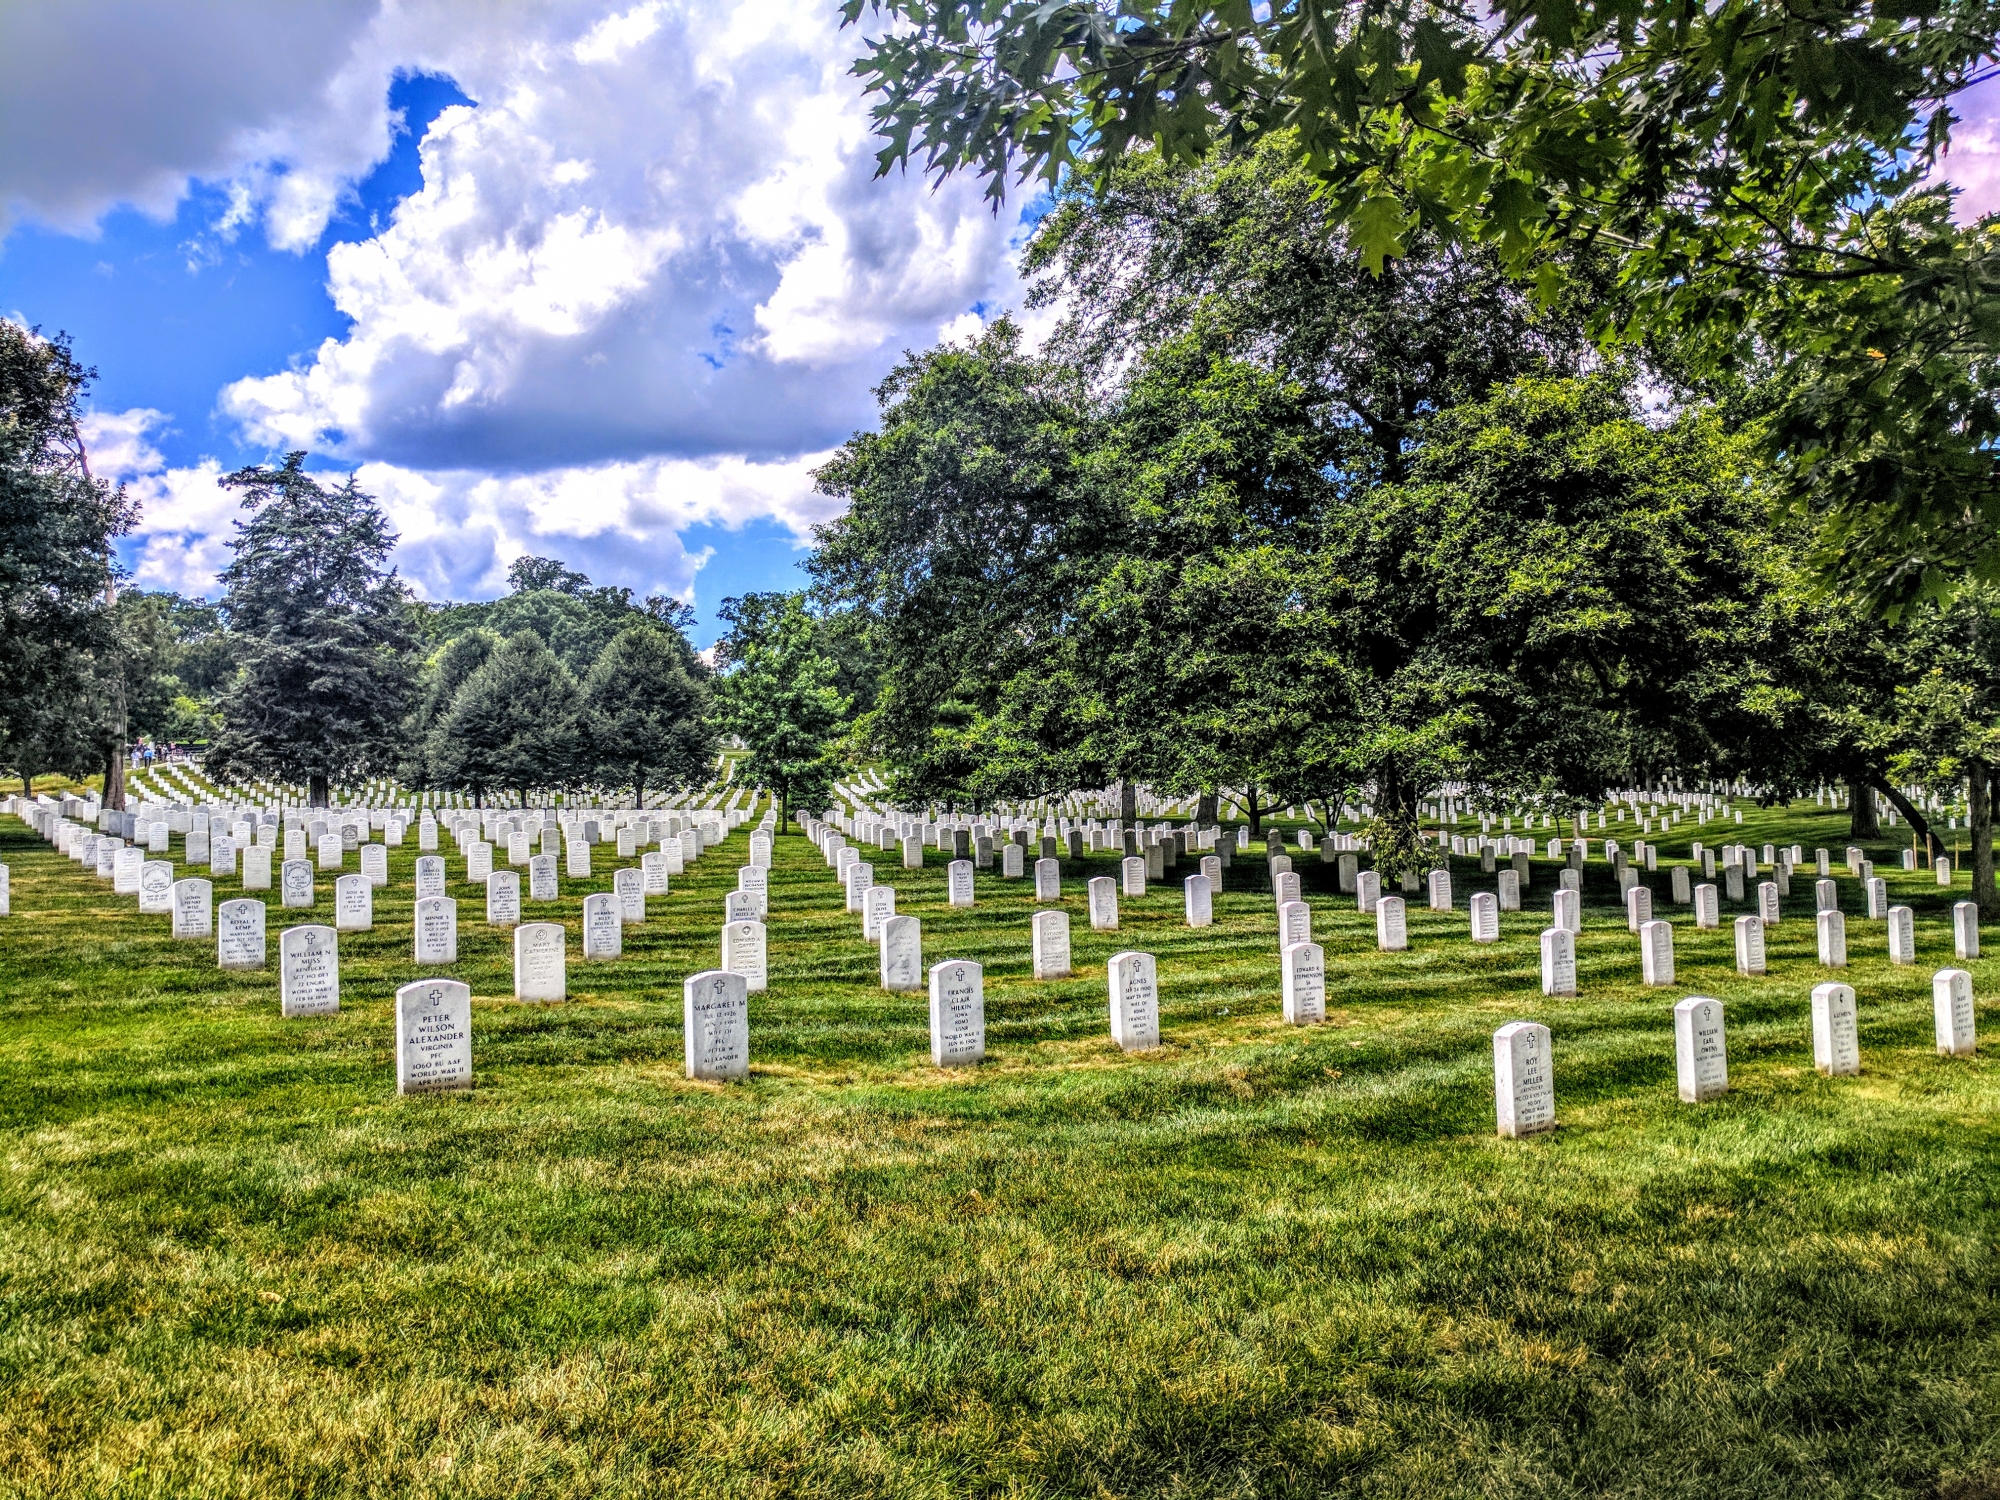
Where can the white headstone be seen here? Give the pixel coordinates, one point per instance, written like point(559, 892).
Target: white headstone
point(1656, 953)
point(1367, 891)
point(1965, 930)
point(1392, 933)
point(1833, 940)
point(503, 898)
point(1558, 961)
point(901, 954)
point(629, 886)
point(1683, 891)
point(653, 873)
point(1012, 860)
point(1104, 904)
point(437, 930)
point(433, 1036)
point(1294, 924)
point(744, 952)
point(958, 1012)
point(1701, 1054)
point(478, 862)
point(430, 875)
point(1134, 870)
point(239, 934)
point(1048, 880)
point(541, 958)
point(577, 857)
point(1876, 890)
point(1902, 935)
point(542, 882)
point(257, 868)
point(1568, 911)
point(1943, 870)
point(1707, 907)
point(1485, 918)
point(603, 927)
point(1051, 945)
point(156, 886)
point(1509, 891)
point(1133, 979)
point(1199, 900)
point(332, 851)
point(1440, 890)
point(1303, 972)
point(1952, 1009)
point(958, 885)
point(1638, 908)
point(222, 855)
point(193, 901)
point(308, 971)
point(1524, 1086)
point(1767, 903)
point(1826, 896)
point(860, 876)
point(520, 848)
point(1750, 945)
point(353, 904)
point(1835, 1031)
point(878, 904)
point(715, 1021)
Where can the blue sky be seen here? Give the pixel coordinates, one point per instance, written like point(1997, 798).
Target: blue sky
point(602, 283)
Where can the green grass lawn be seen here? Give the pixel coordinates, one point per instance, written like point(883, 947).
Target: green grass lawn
point(1260, 1261)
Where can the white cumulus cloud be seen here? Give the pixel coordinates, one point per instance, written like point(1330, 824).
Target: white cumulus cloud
point(649, 277)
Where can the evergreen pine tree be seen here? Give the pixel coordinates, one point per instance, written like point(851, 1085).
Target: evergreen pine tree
point(513, 724)
point(326, 632)
point(449, 671)
point(645, 714)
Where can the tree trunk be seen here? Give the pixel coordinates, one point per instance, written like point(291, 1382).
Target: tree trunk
point(1919, 824)
point(1204, 810)
point(1861, 822)
point(1128, 802)
point(1979, 803)
point(114, 778)
point(316, 789)
point(1252, 807)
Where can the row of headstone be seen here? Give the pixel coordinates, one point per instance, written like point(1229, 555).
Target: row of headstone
point(1524, 1080)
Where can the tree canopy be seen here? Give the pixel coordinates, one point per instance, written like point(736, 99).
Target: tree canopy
point(1757, 168)
point(326, 629)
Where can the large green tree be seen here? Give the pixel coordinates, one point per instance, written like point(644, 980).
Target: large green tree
point(325, 629)
point(1756, 165)
point(447, 670)
point(512, 725)
point(645, 713)
point(779, 693)
point(967, 514)
point(57, 527)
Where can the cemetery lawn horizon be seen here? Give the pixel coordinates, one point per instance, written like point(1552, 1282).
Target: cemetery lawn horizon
point(1257, 1261)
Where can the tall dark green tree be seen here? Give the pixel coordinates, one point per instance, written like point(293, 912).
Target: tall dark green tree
point(57, 527)
point(512, 725)
point(645, 715)
point(325, 629)
point(967, 513)
point(779, 692)
point(443, 675)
